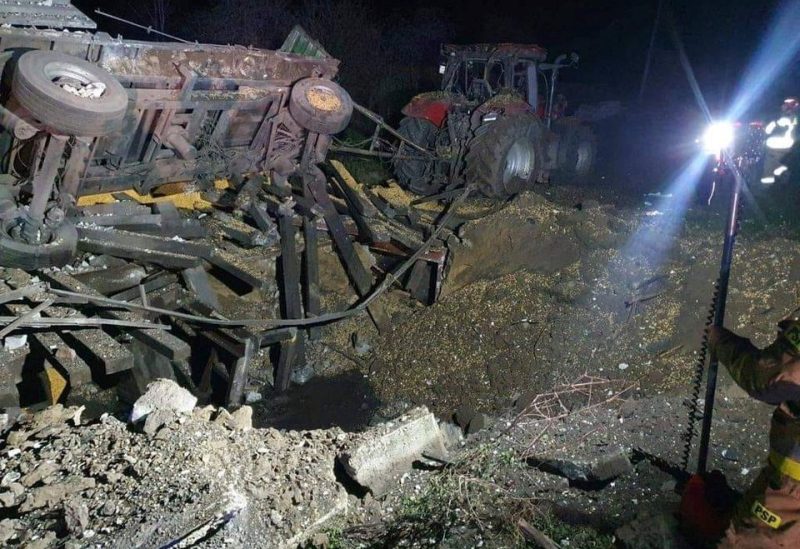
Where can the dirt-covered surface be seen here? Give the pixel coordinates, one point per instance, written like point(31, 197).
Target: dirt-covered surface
point(566, 335)
point(551, 288)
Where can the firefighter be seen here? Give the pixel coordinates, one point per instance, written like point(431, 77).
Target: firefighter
point(769, 513)
point(780, 140)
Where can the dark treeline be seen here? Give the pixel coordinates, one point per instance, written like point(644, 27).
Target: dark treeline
point(389, 51)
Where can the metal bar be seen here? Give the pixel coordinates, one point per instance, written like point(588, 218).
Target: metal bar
point(360, 275)
point(25, 318)
point(82, 322)
point(377, 154)
point(311, 270)
point(379, 121)
point(291, 295)
point(96, 347)
point(15, 295)
point(283, 371)
point(161, 342)
point(732, 227)
point(45, 176)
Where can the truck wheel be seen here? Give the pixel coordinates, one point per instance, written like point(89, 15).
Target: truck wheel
point(68, 95)
point(413, 174)
point(56, 252)
point(320, 105)
point(577, 150)
point(505, 156)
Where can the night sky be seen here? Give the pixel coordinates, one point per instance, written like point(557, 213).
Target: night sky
point(611, 36)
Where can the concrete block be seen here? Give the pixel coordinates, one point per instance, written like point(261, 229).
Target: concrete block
point(383, 454)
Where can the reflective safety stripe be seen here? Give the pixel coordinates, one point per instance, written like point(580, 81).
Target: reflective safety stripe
point(785, 465)
point(765, 515)
point(781, 143)
point(767, 180)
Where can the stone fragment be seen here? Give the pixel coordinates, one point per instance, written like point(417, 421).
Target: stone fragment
point(205, 413)
point(163, 394)
point(41, 472)
point(8, 529)
point(607, 466)
point(44, 542)
point(386, 452)
point(275, 517)
point(7, 499)
point(451, 434)
point(76, 516)
point(157, 419)
point(477, 423)
point(49, 496)
point(660, 531)
point(463, 416)
point(223, 418)
point(242, 419)
point(16, 488)
point(9, 478)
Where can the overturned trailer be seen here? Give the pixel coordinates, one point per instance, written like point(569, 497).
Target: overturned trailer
point(87, 114)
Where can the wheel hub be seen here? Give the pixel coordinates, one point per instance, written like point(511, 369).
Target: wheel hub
point(519, 161)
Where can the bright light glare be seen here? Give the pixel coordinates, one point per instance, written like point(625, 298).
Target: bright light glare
point(718, 137)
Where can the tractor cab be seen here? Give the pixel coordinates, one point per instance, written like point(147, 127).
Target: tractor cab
point(482, 71)
point(496, 122)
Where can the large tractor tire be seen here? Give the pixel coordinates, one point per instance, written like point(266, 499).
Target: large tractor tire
point(577, 151)
point(416, 173)
point(505, 156)
point(41, 83)
point(320, 105)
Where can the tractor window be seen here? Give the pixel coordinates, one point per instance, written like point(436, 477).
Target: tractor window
point(495, 75)
point(525, 82)
point(466, 72)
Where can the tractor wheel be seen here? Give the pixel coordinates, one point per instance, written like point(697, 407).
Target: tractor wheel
point(320, 105)
point(413, 174)
point(57, 251)
point(69, 95)
point(505, 156)
point(577, 151)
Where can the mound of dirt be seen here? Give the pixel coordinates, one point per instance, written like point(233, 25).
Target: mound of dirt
point(545, 291)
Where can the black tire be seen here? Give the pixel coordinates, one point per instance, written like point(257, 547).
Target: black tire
point(505, 156)
point(320, 105)
point(577, 151)
point(59, 251)
point(417, 175)
point(59, 110)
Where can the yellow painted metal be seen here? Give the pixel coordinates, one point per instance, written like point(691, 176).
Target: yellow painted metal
point(54, 384)
point(182, 195)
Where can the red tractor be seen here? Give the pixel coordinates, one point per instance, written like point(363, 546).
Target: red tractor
point(497, 123)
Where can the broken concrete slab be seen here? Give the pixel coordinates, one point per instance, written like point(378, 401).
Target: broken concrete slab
point(163, 394)
point(388, 451)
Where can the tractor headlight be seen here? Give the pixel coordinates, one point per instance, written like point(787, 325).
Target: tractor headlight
point(718, 137)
